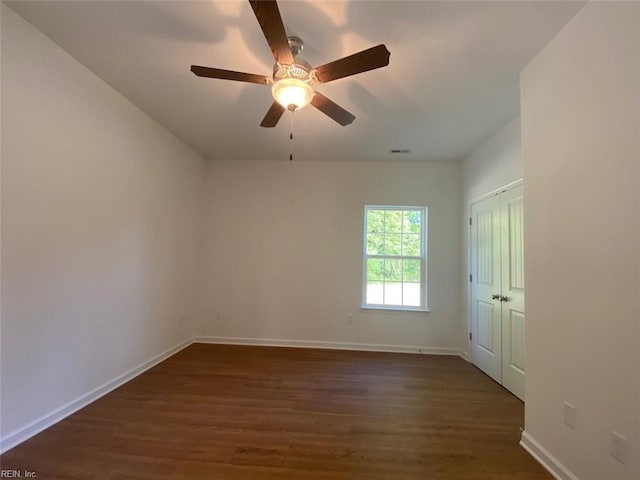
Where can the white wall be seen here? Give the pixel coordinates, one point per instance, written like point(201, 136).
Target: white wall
point(581, 147)
point(284, 251)
point(101, 213)
point(494, 164)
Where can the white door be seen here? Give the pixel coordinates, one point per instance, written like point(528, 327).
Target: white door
point(512, 291)
point(497, 288)
point(486, 287)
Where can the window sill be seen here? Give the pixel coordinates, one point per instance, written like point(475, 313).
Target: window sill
point(395, 309)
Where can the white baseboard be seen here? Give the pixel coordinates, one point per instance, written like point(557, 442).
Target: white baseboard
point(465, 355)
point(369, 347)
point(544, 458)
point(24, 433)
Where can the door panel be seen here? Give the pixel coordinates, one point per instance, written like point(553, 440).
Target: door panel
point(486, 255)
point(486, 314)
point(516, 241)
point(513, 326)
point(486, 282)
point(516, 341)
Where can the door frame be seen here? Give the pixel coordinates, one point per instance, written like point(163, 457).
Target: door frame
point(496, 191)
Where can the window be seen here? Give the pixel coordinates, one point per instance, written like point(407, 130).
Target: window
point(395, 257)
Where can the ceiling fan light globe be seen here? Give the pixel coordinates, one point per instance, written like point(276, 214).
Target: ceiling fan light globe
point(292, 91)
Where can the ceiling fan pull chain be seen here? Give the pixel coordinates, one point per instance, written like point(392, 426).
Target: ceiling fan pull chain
point(291, 138)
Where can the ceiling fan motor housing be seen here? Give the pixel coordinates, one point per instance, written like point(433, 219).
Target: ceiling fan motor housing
point(300, 69)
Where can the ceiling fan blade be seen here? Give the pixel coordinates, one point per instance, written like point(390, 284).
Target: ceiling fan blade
point(273, 115)
point(332, 109)
point(229, 75)
point(370, 59)
point(270, 21)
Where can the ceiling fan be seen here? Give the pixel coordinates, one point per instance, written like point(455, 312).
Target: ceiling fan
point(293, 79)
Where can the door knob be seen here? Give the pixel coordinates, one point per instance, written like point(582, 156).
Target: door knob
point(503, 298)
point(495, 296)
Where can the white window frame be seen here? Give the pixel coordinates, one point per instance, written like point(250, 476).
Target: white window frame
point(423, 260)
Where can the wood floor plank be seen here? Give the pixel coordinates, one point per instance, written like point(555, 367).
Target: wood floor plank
point(262, 413)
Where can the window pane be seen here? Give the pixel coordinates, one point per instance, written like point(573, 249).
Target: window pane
point(411, 271)
point(411, 245)
point(406, 221)
point(375, 244)
point(392, 270)
point(412, 221)
point(393, 244)
point(393, 293)
point(411, 294)
point(375, 270)
point(393, 221)
point(375, 221)
point(375, 293)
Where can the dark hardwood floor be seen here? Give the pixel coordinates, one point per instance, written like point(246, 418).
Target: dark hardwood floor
point(234, 412)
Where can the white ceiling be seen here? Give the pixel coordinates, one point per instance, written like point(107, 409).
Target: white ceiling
point(452, 79)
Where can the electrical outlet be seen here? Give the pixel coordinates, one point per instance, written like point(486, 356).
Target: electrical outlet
point(618, 447)
point(569, 415)
point(350, 319)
